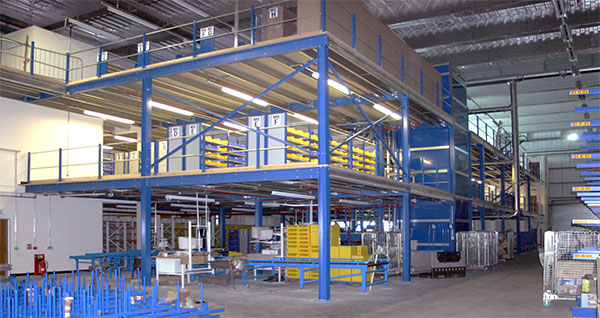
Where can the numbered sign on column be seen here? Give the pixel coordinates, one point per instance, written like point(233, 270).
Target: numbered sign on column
point(119, 163)
point(192, 150)
point(174, 135)
point(254, 122)
point(276, 153)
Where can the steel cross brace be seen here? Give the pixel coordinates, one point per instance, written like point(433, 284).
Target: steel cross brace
point(365, 115)
point(222, 119)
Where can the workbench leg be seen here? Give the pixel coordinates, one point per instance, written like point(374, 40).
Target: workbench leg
point(301, 277)
point(363, 273)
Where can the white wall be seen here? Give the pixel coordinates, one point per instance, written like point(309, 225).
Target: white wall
point(31, 128)
point(561, 216)
point(51, 41)
point(76, 223)
point(73, 226)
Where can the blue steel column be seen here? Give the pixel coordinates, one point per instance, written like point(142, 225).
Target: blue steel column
point(502, 195)
point(482, 185)
point(258, 219)
point(380, 215)
point(451, 187)
point(470, 188)
point(406, 195)
point(222, 227)
point(145, 190)
point(324, 159)
point(353, 222)
point(528, 194)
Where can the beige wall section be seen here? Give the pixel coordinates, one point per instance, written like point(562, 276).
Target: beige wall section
point(368, 27)
point(31, 128)
point(49, 40)
point(71, 226)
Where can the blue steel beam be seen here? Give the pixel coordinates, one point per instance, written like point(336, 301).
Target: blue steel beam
point(190, 63)
point(145, 189)
point(482, 185)
point(222, 228)
point(223, 118)
point(324, 159)
point(405, 196)
point(470, 188)
point(258, 219)
point(214, 177)
point(588, 165)
point(591, 179)
point(587, 109)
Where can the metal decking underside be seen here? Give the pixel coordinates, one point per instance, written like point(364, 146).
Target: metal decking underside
point(222, 184)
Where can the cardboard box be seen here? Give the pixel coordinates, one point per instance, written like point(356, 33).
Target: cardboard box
point(196, 259)
point(183, 295)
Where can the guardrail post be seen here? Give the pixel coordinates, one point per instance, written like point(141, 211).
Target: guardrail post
point(59, 164)
point(252, 23)
point(194, 39)
point(32, 57)
point(28, 167)
point(354, 31)
point(380, 49)
point(67, 66)
point(100, 165)
point(99, 64)
point(156, 145)
point(257, 148)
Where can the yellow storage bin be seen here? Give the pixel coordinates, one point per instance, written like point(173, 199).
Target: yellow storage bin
point(334, 235)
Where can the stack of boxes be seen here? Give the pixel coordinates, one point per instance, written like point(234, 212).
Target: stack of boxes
point(303, 241)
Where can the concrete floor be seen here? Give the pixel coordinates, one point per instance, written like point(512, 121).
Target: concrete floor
point(513, 289)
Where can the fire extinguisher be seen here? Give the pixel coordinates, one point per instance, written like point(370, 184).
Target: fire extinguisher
point(40, 264)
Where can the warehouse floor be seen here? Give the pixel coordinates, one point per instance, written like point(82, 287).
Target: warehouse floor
point(513, 289)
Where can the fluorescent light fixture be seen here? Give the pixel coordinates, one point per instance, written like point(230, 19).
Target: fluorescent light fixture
point(130, 16)
point(293, 195)
point(387, 111)
point(95, 30)
point(108, 117)
point(573, 136)
point(183, 198)
point(243, 96)
point(126, 206)
point(105, 147)
point(265, 204)
point(333, 84)
point(171, 108)
point(191, 206)
point(356, 202)
point(491, 186)
point(242, 210)
point(305, 118)
point(125, 139)
point(115, 201)
point(475, 180)
point(233, 125)
point(427, 161)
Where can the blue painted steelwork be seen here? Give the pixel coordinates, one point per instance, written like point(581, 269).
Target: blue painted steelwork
point(324, 159)
point(590, 173)
point(402, 66)
point(145, 189)
point(587, 109)
point(470, 189)
point(590, 136)
point(380, 56)
point(311, 264)
point(194, 38)
point(222, 228)
point(585, 91)
point(32, 58)
point(100, 164)
point(123, 260)
point(258, 219)
point(293, 173)
point(190, 64)
point(67, 67)
point(257, 131)
point(252, 26)
point(71, 296)
point(354, 31)
point(591, 179)
point(405, 196)
point(589, 147)
point(482, 185)
point(588, 165)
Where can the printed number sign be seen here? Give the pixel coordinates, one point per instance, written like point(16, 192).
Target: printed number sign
point(207, 32)
point(273, 12)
